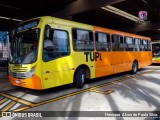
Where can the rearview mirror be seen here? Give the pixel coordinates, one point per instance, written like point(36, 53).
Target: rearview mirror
point(47, 31)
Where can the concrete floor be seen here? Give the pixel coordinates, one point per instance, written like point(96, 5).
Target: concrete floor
point(121, 92)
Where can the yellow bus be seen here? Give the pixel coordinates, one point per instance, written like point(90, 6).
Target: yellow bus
point(156, 51)
point(46, 52)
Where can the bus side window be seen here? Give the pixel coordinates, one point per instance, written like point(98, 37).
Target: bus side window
point(56, 46)
point(102, 42)
point(137, 44)
point(82, 40)
point(149, 45)
point(129, 44)
point(141, 45)
point(117, 43)
point(145, 43)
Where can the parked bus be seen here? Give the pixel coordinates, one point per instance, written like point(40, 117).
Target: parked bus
point(46, 52)
point(156, 51)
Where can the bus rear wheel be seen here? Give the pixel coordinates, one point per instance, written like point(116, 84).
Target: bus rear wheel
point(80, 78)
point(134, 67)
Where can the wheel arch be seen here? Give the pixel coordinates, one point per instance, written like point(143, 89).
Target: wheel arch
point(136, 62)
point(134, 67)
point(86, 69)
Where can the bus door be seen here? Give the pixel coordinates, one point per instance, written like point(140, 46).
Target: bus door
point(56, 50)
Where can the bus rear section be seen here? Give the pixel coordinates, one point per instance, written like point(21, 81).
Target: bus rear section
point(120, 52)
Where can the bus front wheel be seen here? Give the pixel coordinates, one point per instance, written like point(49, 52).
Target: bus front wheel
point(134, 67)
point(79, 78)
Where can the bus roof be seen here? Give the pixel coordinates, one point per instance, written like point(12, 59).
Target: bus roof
point(100, 29)
point(50, 19)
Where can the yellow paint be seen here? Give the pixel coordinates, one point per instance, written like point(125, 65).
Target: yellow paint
point(21, 109)
point(3, 100)
point(9, 106)
point(155, 60)
point(17, 99)
point(102, 92)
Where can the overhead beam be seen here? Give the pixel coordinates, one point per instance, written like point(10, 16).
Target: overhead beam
point(12, 7)
point(142, 27)
point(80, 6)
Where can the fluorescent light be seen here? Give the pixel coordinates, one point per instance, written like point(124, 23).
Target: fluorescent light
point(17, 20)
point(144, 1)
point(4, 17)
point(7, 18)
point(120, 12)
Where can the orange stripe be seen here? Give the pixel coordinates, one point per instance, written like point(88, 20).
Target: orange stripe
point(32, 83)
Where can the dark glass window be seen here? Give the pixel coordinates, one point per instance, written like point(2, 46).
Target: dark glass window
point(102, 42)
point(129, 43)
point(83, 40)
point(149, 45)
point(137, 44)
point(117, 43)
point(56, 45)
point(146, 46)
point(141, 45)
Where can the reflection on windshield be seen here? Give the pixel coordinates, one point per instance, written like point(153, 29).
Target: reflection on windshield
point(24, 47)
point(156, 50)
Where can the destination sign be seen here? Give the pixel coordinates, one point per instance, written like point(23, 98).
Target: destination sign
point(28, 25)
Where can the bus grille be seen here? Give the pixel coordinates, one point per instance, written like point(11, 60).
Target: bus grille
point(20, 69)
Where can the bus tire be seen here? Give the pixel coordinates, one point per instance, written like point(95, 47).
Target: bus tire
point(79, 78)
point(134, 67)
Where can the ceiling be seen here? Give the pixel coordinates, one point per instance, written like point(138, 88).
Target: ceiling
point(85, 11)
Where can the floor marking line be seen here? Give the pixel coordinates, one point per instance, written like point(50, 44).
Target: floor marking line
point(109, 83)
point(69, 95)
point(15, 106)
point(17, 99)
point(81, 91)
point(20, 109)
point(5, 104)
point(3, 100)
point(8, 106)
point(61, 97)
point(102, 92)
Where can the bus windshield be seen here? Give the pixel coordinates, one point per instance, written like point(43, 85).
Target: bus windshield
point(156, 50)
point(24, 47)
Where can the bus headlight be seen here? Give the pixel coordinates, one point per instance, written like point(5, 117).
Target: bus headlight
point(30, 73)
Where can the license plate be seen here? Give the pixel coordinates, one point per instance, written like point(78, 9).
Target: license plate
point(18, 81)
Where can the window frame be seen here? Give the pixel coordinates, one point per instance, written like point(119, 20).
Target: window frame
point(93, 40)
point(145, 44)
point(141, 46)
point(139, 43)
point(69, 46)
point(117, 43)
point(127, 45)
point(96, 40)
